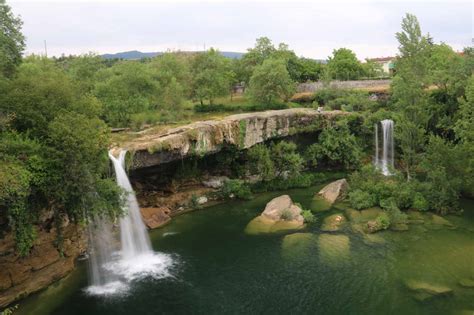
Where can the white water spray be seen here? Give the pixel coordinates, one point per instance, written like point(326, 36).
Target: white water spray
point(133, 235)
point(386, 162)
point(112, 271)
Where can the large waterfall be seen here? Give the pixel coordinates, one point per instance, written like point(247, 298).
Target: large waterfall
point(385, 161)
point(113, 264)
point(133, 235)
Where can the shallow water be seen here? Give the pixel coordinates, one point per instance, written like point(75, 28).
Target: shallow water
point(218, 269)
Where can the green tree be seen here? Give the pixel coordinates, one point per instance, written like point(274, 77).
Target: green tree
point(12, 41)
point(311, 70)
point(344, 65)
point(408, 91)
point(335, 147)
point(210, 76)
point(271, 82)
point(286, 160)
point(260, 162)
point(126, 88)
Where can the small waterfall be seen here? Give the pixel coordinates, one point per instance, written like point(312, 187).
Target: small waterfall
point(386, 162)
point(376, 155)
point(114, 264)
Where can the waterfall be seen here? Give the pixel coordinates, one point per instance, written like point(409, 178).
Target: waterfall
point(386, 162)
point(114, 263)
point(133, 234)
point(376, 155)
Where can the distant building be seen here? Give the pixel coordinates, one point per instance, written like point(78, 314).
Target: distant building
point(387, 63)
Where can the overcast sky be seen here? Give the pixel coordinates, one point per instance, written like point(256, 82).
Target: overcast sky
point(311, 28)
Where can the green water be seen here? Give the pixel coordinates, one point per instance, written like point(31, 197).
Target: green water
point(221, 270)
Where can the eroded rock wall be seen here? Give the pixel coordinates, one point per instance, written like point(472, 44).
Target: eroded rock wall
point(21, 276)
point(206, 137)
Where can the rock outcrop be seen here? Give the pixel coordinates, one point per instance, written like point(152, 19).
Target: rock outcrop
point(21, 276)
point(155, 217)
point(335, 191)
point(206, 137)
point(279, 214)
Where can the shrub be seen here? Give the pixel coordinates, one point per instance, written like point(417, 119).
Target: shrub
point(383, 221)
point(286, 215)
point(420, 203)
point(308, 216)
point(237, 188)
point(360, 199)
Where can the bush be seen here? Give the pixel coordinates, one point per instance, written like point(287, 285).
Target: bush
point(308, 216)
point(420, 203)
point(237, 188)
point(383, 221)
point(335, 147)
point(360, 199)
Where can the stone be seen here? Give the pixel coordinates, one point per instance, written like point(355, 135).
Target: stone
point(215, 182)
point(201, 200)
point(333, 248)
point(19, 272)
point(374, 239)
point(320, 204)
point(21, 276)
point(467, 283)
point(155, 217)
point(282, 208)
point(425, 290)
point(280, 214)
point(333, 222)
point(5, 280)
point(399, 227)
point(437, 220)
point(335, 191)
point(297, 244)
point(43, 255)
point(262, 225)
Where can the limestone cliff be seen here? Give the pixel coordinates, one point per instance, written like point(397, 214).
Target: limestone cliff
point(21, 276)
point(206, 137)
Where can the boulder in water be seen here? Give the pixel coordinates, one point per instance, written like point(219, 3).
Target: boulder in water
point(155, 217)
point(467, 283)
point(282, 208)
point(333, 248)
point(298, 244)
point(437, 220)
point(424, 290)
point(280, 214)
point(333, 222)
point(335, 191)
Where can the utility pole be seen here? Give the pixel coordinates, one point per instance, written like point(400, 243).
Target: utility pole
point(45, 49)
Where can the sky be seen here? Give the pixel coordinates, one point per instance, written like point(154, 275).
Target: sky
point(311, 28)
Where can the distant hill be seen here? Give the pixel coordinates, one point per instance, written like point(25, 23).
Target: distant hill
point(136, 55)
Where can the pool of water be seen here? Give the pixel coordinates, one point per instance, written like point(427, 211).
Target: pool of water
point(219, 269)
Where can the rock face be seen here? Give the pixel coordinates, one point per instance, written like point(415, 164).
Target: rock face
point(280, 214)
point(206, 137)
point(155, 217)
point(21, 276)
point(215, 182)
point(335, 191)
